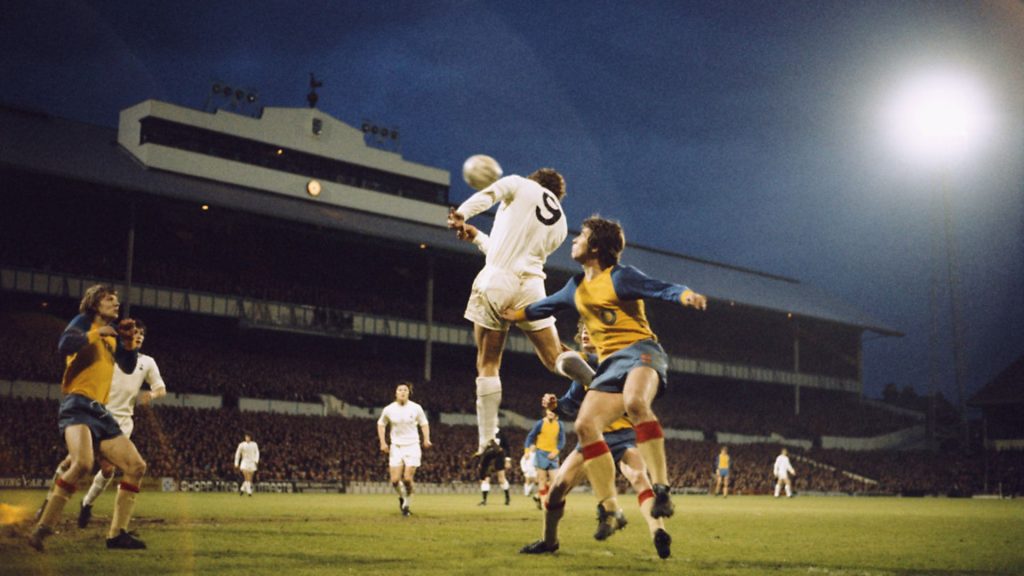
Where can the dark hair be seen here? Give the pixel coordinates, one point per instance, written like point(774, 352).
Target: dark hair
point(140, 325)
point(607, 238)
point(405, 383)
point(550, 179)
point(93, 296)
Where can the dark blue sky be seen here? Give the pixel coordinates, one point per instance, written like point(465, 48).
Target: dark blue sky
point(743, 132)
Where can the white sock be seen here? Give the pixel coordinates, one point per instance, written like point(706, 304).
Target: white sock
point(99, 484)
point(527, 488)
point(778, 486)
point(485, 486)
point(488, 400)
point(789, 491)
point(505, 485)
point(573, 366)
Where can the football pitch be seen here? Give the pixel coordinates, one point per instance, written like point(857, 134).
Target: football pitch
point(298, 534)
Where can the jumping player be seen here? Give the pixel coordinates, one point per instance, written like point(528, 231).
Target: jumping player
point(528, 227)
point(91, 347)
point(404, 454)
point(633, 366)
point(621, 441)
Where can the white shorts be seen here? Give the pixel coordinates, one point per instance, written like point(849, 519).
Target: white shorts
point(127, 425)
point(529, 470)
point(247, 466)
point(495, 290)
point(408, 455)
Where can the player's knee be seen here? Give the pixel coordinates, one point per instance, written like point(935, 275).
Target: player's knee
point(137, 467)
point(638, 409)
point(587, 431)
point(80, 466)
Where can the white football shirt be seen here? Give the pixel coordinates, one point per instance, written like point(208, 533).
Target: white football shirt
point(404, 421)
point(782, 466)
point(124, 388)
point(247, 453)
point(528, 226)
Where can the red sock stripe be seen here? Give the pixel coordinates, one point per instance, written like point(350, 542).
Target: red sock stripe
point(596, 449)
point(645, 495)
point(542, 491)
point(66, 486)
point(554, 505)
point(648, 431)
point(129, 487)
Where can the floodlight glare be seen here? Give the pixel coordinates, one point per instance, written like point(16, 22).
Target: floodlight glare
point(939, 117)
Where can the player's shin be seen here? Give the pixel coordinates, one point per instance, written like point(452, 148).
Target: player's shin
point(488, 401)
point(553, 512)
point(573, 366)
point(600, 469)
point(124, 505)
point(62, 492)
point(99, 484)
point(646, 501)
point(650, 441)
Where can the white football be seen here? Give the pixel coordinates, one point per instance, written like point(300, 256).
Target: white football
point(480, 171)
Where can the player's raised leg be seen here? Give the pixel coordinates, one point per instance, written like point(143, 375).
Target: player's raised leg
point(490, 345)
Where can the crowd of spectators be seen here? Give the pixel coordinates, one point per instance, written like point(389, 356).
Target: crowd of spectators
point(208, 355)
point(193, 444)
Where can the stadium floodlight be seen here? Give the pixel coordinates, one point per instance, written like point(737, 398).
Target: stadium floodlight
point(939, 117)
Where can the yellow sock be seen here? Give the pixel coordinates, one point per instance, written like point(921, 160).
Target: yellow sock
point(650, 441)
point(124, 504)
point(600, 469)
point(55, 506)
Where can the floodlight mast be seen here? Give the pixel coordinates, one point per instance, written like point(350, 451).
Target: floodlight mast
point(938, 119)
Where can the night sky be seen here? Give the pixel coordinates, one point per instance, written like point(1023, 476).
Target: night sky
point(749, 133)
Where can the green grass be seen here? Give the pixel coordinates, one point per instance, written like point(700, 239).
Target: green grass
point(298, 534)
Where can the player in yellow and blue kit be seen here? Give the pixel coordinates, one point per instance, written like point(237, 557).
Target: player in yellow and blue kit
point(633, 366)
point(91, 345)
point(621, 440)
point(722, 472)
point(546, 439)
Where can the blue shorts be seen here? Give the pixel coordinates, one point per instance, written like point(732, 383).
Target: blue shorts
point(543, 462)
point(78, 409)
point(723, 472)
point(618, 442)
point(611, 374)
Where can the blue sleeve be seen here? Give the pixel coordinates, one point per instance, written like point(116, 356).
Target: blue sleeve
point(74, 336)
point(531, 438)
point(561, 436)
point(632, 284)
point(126, 359)
point(564, 299)
point(569, 404)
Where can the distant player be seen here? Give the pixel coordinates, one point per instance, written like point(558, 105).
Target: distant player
point(546, 439)
point(404, 454)
point(722, 473)
point(494, 460)
point(247, 459)
point(529, 475)
point(633, 366)
point(124, 390)
point(91, 347)
point(783, 470)
point(528, 227)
